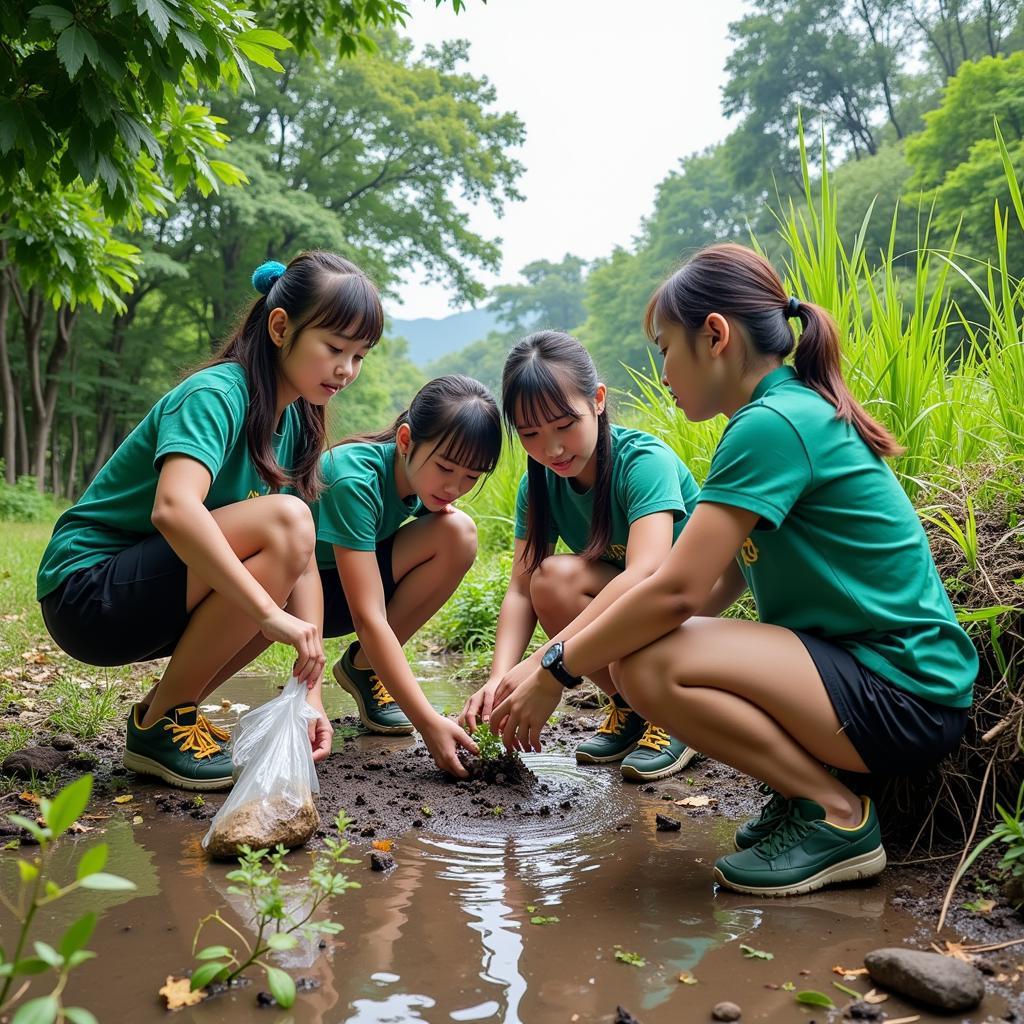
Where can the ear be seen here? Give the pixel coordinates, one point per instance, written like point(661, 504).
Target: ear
point(403, 438)
point(277, 324)
point(600, 397)
point(719, 331)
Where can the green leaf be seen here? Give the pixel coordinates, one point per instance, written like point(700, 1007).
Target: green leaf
point(31, 965)
point(27, 871)
point(540, 919)
point(58, 17)
point(48, 954)
point(79, 1015)
point(282, 988)
point(851, 992)
point(157, 13)
point(74, 44)
point(756, 954)
point(77, 935)
point(37, 1011)
point(261, 55)
point(68, 804)
point(213, 953)
point(265, 37)
point(282, 940)
point(40, 834)
point(633, 959)
point(811, 998)
point(79, 957)
point(202, 976)
point(92, 860)
point(108, 883)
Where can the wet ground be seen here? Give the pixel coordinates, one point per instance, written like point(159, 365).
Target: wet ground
point(447, 934)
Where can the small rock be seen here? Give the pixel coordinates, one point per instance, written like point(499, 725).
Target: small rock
point(32, 761)
point(623, 1016)
point(306, 984)
point(265, 999)
point(935, 980)
point(63, 742)
point(83, 759)
point(380, 861)
point(860, 1010)
point(726, 1011)
point(667, 824)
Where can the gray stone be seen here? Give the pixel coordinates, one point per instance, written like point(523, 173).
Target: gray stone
point(381, 861)
point(726, 1011)
point(32, 761)
point(939, 981)
point(63, 742)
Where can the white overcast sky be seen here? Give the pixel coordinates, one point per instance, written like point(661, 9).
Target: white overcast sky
point(613, 94)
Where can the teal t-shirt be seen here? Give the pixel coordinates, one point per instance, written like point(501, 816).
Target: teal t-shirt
point(839, 551)
point(647, 477)
point(359, 505)
point(203, 418)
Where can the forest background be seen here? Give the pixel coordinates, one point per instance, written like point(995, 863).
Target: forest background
point(154, 152)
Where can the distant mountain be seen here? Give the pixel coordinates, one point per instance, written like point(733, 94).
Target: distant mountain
point(429, 339)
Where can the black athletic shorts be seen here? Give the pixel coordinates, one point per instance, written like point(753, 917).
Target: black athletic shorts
point(894, 732)
point(337, 617)
point(128, 608)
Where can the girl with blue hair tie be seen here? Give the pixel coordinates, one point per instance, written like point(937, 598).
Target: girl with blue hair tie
point(194, 541)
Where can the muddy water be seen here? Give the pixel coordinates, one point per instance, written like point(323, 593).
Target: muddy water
point(447, 936)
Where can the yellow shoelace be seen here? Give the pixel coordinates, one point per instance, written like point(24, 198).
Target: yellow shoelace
point(655, 738)
point(615, 722)
point(193, 738)
point(380, 693)
point(214, 730)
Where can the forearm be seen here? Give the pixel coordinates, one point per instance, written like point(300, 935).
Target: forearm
point(647, 612)
point(197, 540)
point(306, 601)
point(730, 586)
point(516, 623)
point(385, 654)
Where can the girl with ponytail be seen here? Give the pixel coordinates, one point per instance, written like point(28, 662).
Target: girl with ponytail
point(384, 577)
point(185, 544)
point(857, 662)
point(616, 497)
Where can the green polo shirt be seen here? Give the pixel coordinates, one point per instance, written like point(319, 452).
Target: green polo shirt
point(839, 551)
point(203, 418)
point(647, 477)
point(359, 506)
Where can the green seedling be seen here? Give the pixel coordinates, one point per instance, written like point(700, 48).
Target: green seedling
point(756, 954)
point(633, 959)
point(36, 889)
point(258, 879)
point(540, 919)
point(489, 744)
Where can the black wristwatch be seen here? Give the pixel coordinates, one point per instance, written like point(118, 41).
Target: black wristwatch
point(552, 661)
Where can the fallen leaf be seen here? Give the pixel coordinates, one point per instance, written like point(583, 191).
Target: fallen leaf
point(124, 798)
point(137, 820)
point(694, 801)
point(28, 798)
point(849, 972)
point(78, 829)
point(177, 993)
point(36, 657)
point(980, 906)
point(874, 996)
point(384, 845)
point(12, 618)
point(756, 954)
point(687, 978)
point(957, 950)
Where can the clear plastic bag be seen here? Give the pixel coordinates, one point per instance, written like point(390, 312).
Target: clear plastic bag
point(275, 779)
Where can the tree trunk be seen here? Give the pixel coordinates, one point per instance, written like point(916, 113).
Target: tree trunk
point(6, 379)
point(47, 408)
point(56, 466)
point(22, 424)
point(71, 489)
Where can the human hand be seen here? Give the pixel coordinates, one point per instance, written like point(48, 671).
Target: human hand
point(321, 734)
point(477, 708)
point(443, 738)
point(283, 627)
point(524, 712)
point(516, 675)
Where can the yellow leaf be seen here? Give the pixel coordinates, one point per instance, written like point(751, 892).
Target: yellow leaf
point(850, 972)
point(384, 845)
point(687, 978)
point(177, 994)
point(694, 801)
point(137, 820)
point(124, 798)
point(28, 798)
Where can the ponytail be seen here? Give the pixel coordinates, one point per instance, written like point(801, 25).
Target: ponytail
point(737, 282)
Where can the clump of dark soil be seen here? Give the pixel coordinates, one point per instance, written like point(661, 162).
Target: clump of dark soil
point(507, 770)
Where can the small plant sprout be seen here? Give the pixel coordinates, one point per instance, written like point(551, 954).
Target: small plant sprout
point(489, 744)
point(37, 890)
point(258, 879)
point(626, 957)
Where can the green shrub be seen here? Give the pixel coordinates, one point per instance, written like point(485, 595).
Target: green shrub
point(23, 502)
point(467, 622)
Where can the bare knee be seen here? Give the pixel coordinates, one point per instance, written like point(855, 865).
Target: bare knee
point(643, 681)
point(289, 528)
point(459, 539)
point(552, 582)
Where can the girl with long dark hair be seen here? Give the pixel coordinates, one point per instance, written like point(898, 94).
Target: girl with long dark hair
point(185, 545)
point(858, 661)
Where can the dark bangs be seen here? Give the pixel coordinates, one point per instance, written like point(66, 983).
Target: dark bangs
point(532, 392)
point(471, 437)
point(348, 305)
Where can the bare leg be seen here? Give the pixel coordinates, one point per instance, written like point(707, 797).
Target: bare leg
point(561, 588)
point(273, 536)
point(429, 560)
point(748, 694)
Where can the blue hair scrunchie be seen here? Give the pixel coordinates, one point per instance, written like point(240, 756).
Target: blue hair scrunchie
point(264, 276)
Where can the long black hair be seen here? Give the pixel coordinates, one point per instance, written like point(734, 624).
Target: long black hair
point(317, 289)
point(455, 414)
point(541, 373)
point(735, 281)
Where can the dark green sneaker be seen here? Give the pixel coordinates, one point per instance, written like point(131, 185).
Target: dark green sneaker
point(615, 737)
point(378, 710)
point(181, 748)
point(805, 853)
point(657, 755)
point(750, 833)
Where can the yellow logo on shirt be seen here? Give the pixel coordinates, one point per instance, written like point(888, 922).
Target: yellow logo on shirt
point(253, 494)
point(749, 552)
point(615, 553)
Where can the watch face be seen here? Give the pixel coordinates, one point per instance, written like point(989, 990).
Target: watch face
point(550, 656)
